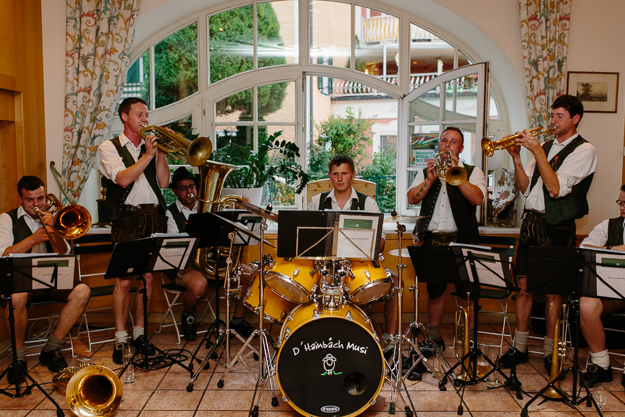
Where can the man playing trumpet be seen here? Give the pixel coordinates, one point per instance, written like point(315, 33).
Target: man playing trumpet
point(554, 184)
point(451, 217)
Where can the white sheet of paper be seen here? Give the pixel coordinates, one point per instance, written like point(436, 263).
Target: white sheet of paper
point(615, 277)
point(176, 252)
point(356, 239)
point(485, 258)
point(43, 270)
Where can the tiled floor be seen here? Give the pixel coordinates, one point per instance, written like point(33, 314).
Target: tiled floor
point(163, 392)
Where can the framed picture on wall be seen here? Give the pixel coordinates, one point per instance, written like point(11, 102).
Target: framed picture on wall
point(597, 90)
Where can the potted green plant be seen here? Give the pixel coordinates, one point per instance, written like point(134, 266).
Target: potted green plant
point(274, 159)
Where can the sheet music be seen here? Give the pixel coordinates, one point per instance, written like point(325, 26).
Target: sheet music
point(174, 251)
point(610, 269)
point(485, 259)
point(356, 238)
point(43, 270)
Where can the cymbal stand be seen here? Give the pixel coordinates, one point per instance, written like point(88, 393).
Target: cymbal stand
point(246, 343)
point(395, 377)
point(266, 366)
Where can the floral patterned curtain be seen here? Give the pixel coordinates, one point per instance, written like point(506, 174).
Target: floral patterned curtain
point(97, 55)
point(544, 41)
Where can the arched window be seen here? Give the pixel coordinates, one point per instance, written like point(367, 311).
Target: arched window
point(329, 75)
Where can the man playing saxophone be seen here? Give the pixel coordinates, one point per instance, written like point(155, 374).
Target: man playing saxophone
point(134, 171)
point(22, 231)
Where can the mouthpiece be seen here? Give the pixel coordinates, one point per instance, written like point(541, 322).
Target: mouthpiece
point(191, 195)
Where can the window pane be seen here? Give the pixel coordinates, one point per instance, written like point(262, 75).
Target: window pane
point(279, 191)
point(275, 102)
point(330, 44)
point(461, 98)
point(277, 33)
point(430, 56)
point(236, 107)
point(242, 136)
point(377, 44)
point(426, 107)
point(175, 66)
point(231, 37)
point(138, 79)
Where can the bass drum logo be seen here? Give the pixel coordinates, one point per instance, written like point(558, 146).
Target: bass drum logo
point(330, 409)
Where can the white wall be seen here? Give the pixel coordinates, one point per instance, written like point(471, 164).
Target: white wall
point(488, 28)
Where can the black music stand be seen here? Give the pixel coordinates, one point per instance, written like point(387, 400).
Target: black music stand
point(143, 256)
point(477, 265)
point(214, 230)
point(576, 273)
point(25, 274)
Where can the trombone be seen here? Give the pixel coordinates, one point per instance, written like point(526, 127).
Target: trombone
point(489, 147)
point(70, 222)
point(448, 168)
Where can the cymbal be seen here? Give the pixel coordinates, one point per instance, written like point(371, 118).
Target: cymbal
point(259, 211)
point(244, 230)
point(403, 218)
point(395, 252)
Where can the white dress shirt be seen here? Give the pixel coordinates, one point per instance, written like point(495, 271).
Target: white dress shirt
point(577, 166)
point(442, 220)
point(6, 231)
point(111, 164)
point(172, 227)
point(598, 236)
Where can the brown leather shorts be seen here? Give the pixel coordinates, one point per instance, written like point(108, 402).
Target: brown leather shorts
point(137, 222)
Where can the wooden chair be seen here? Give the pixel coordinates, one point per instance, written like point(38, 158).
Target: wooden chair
point(321, 186)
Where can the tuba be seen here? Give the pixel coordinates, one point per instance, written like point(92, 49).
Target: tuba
point(178, 147)
point(70, 222)
point(212, 178)
point(90, 390)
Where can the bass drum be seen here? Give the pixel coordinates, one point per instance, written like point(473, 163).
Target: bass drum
point(329, 363)
point(292, 279)
point(276, 308)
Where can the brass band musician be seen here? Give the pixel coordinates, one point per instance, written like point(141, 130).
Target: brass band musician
point(22, 231)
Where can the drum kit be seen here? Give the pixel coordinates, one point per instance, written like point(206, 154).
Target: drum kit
point(328, 359)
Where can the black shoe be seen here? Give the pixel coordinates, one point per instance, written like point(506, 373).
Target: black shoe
point(138, 344)
point(117, 353)
point(15, 375)
point(547, 361)
point(514, 355)
point(244, 329)
point(430, 344)
point(596, 375)
point(53, 359)
point(188, 327)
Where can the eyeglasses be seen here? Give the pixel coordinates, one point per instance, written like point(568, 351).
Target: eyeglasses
point(184, 188)
point(620, 203)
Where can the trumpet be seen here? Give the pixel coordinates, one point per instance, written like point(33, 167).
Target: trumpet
point(489, 147)
point(70, 222)
point(195, 152)
point(448, 168)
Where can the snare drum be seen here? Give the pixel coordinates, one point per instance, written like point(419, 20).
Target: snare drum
point(329, 363)
point(294, 280)
point(276, 308)
point(369, 283)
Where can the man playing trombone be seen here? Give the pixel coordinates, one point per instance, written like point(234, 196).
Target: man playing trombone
point(608, 235)
point(554, 184)
point(134, 172)
point(22, 230)
point(450, 212)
